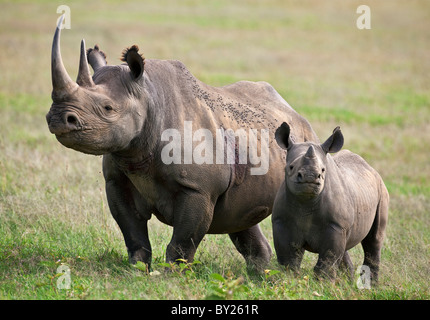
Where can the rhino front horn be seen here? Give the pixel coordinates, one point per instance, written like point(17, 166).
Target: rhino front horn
point(84, 77)
point(62, 84)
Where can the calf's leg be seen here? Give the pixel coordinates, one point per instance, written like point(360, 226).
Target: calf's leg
point(331, 252)
point(372, 244)
point(288, 244)
point(347, 265)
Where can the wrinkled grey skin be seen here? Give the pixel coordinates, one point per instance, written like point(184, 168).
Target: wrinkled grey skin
point(327, 205)
point(121, 113)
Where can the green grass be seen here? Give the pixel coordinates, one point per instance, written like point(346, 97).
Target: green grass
point(373, 83)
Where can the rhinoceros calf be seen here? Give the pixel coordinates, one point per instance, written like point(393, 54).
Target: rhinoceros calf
point(132, 114)
point(327, 205)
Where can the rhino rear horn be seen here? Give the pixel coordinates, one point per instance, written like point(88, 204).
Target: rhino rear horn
point(96, 58)
point(62, 84)
point(84, 77)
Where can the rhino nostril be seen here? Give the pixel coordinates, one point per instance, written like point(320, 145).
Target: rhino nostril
point(72, 119)
point(299, 177)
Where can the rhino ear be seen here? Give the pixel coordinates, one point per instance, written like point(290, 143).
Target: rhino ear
point(134, 60)
point(282, 136)
point(334, 143)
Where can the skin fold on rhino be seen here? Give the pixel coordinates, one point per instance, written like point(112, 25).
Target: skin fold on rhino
point(121, 113)
point(327, 205)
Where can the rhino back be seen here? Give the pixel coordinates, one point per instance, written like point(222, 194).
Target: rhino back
point(354, 168)
point(244, 104)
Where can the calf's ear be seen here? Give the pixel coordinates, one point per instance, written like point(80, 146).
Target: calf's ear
point(134, 60)
point(334, 143)
point(282, 136)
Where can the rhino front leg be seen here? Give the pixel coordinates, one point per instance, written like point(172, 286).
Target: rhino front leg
point(130, 212)
point(192, 218)
point(288, 245)
point(331, 252)
point(253, 246)
point(132, 223)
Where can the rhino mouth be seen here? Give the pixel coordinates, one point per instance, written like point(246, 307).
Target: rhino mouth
point(308, 188)
point(61, 131)
point(308, 183)
point(64, 133)
point(78, 140)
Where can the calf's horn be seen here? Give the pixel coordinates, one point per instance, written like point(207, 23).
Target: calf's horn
point(310, 154)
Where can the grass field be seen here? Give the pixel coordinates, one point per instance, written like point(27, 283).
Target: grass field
point(374, 83)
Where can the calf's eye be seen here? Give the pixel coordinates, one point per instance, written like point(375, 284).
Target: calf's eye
point(108, 108)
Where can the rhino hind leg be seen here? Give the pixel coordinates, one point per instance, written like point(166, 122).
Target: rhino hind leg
point(347, 266)
point(253, 246)
point(372, 243)
point(372, 258)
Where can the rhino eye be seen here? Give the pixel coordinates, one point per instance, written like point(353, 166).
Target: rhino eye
point(323, 169)
point(108, 108)
point(291, 167)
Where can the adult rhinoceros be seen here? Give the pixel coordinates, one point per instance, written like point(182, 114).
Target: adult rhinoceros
point(123, 112)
